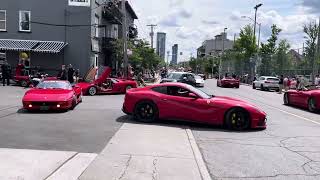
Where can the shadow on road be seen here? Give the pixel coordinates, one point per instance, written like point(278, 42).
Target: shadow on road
point(183, 125)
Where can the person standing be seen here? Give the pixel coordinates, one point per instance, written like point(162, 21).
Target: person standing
point(6, 72)
point(281, 84)
point(317, 80)
point(71, 72)
point(285, 84)
point(62, 73)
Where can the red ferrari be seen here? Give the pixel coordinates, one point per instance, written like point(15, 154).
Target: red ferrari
point(183, 102)
point(308, 98)
point(228, 82)
point(104, 84)
point(52, 95)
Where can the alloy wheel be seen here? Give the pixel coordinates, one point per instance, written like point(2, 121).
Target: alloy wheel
point(92, 91)
point(312, 105)
point(145, 112)
point(238, 120)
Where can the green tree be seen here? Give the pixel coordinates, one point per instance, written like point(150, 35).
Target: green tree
point(245, 48)
point(311, 30)
point(282, 60)
point(268, 50)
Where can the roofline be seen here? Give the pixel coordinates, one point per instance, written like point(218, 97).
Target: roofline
point(131, 11)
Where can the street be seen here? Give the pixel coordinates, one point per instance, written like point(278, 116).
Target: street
point(287, 149)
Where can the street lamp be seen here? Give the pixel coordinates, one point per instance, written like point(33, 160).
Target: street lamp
point(220, 62)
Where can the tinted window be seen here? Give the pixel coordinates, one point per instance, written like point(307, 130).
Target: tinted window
point(54, 85)
point(161, 89)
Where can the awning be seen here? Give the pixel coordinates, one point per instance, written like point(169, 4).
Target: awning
point(32, 45)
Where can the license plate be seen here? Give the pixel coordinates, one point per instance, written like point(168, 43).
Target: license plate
point(44, 108)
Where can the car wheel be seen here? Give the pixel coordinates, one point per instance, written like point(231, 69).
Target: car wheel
point(237, 87)
point(92, 91)
point(261, 87)
point(286, 100)
point(237, 119)
point(24, 83)
point(146, 112)
point(254, 86)
point(312, 104)
point(128, 87)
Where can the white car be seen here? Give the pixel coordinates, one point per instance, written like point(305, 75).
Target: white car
point(266, 83)
point(199, 81)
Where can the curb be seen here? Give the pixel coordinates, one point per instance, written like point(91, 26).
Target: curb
point(198, 156)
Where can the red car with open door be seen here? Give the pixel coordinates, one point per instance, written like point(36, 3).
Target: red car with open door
point(179, 101)
point(307, 98)
point(52, 95)
point(228, 82)
point(105, 85)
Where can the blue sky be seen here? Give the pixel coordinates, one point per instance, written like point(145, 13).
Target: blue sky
point(190, 22)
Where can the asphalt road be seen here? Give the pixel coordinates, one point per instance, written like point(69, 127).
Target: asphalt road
point(288, 149)
point(87, 129)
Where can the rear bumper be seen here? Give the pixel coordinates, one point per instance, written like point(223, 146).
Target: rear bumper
point(230, 84)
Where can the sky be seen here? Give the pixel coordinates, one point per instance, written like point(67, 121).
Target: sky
point(190, 22)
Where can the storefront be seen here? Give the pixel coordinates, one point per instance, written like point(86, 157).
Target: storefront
point(44, 55)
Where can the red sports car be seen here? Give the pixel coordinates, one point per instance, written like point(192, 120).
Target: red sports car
point(183, 102)
point(307, 98)
point(52, 95)
point(105, 85)
point(228, 82)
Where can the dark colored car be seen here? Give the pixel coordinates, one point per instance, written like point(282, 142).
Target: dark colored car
point(182, 77)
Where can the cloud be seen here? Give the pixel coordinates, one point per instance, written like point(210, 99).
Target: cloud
point(312, 5)
point(174, 3)
point(210, 22)
point(174, 17)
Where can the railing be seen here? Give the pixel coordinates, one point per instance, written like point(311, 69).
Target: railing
point(108, 43)
point(112, 13)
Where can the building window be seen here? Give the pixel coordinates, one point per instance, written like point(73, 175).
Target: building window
point(96, 26)
point(25, 21)
point(3, 20)
point(79, 2)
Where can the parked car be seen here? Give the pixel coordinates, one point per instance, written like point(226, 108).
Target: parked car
point(199, 81)
point(203, 76)
point(105, 85)
point(266, 83)
point(182, 77)
point(306, 98)
point(180, 101)
point(228, 82)
point(52, 95)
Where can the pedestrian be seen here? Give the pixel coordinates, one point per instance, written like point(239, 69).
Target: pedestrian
point(6, 73)
point(63, 73)
point(317, 80)
point(285, 84)
point(281, 84)
point(71, 72)
point(77, 75)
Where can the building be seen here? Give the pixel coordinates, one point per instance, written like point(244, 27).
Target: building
point(213, 47)
point(161, 45)
point(175, 54)
point(77, 32)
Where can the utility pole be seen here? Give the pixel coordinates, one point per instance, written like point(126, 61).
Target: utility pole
point(220, 63)
point(253, 71)
point(152, 33)
point(124, 36)
point(168, 55)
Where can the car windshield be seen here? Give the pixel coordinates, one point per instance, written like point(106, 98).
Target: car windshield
point(197, 77)
point(199, 92)
point(54, 85)
point(174, 76)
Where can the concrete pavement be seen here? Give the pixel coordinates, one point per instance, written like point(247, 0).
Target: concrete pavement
point(142, 151)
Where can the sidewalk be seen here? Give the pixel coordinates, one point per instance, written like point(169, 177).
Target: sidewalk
point(152, 152)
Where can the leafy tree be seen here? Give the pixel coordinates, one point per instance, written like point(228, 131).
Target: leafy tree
point(311, 30)
point(268, 50)
point(282, 60)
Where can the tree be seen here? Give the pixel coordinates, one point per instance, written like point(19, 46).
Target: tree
point(282, 59)
point(268, 50)
point(311, 30)
point(245, 48)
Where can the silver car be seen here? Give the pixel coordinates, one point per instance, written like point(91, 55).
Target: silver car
point(266, 83)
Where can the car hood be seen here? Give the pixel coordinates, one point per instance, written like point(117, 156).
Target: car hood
point(48, 95)
point(199, 80)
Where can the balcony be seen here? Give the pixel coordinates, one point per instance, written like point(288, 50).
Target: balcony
point(112, 13)
point(108, 44)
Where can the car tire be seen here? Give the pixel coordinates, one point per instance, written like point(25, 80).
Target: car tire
point(286, 99)
point(92, 91)
point(24, 83)
point(261, 87)
point(254, 86)
point(237, 119)
point(146, 111)
point(312, 104)
point(237, 87)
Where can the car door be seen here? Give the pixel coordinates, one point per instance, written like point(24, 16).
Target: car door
point(302, 98)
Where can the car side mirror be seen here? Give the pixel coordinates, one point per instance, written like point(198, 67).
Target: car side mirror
point(192, 95)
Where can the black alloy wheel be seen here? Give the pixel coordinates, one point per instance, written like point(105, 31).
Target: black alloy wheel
point(24, 83)
point(237, 119)
point(312, 104)
point(286, 99)
point(146, 112)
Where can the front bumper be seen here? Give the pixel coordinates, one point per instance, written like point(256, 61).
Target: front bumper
point(259, 123)
point(47, 106)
